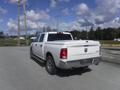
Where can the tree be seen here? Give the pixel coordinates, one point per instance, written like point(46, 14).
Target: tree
point(91, 34)
point(1, 34)
point(98, 34)
point(48, 29)
point(84, 35)
point(76, 34)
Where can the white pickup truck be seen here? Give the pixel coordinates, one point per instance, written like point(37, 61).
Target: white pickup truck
point(59, 50)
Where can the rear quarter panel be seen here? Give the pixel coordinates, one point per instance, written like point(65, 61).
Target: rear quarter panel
point(54, 49)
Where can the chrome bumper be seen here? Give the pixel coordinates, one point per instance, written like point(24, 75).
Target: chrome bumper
point(79, 63)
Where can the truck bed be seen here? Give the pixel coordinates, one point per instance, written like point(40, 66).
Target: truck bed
point(79, 49)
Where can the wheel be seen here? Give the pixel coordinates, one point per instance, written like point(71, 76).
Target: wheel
point(31, 53)
point(50, 65)
point(85, 67)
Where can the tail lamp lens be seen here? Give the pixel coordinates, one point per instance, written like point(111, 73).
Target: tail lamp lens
point(63, 53)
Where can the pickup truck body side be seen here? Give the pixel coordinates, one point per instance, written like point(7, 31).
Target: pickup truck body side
point(79, 53)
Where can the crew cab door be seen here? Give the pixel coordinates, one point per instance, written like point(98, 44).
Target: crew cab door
point(34, 45)
point(40, 46)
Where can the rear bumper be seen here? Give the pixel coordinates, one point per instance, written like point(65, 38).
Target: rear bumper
point(79, 63)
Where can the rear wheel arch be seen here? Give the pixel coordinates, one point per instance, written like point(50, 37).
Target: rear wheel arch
point(48, 53)
point(50, 64)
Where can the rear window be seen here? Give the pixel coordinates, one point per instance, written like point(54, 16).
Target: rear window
point(55, 37)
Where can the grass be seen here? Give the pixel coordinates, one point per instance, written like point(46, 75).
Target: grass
point(109, 43)
point(11, 42)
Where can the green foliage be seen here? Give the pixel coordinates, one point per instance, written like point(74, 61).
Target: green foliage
point(1, 35)
point(12, 42)
point(91, 34)
point(109, 42)
point(79, 34)
point(98, 34)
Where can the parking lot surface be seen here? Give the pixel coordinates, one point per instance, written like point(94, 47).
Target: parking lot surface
point(19, 72)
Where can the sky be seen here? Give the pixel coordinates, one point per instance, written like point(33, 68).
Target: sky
point(70, 14)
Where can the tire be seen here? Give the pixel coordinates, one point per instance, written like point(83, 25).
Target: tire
point(85, 67)
point(50, 65)
point(31, 53)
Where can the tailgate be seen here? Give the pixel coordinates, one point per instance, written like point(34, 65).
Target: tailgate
point(77, 52)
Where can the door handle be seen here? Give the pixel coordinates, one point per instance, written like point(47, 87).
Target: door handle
point(40, 45)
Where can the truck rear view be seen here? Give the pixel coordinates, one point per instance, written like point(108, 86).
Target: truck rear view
point(59, 50)
point(80, 53)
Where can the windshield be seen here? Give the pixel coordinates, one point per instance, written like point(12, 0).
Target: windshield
point(55, 37)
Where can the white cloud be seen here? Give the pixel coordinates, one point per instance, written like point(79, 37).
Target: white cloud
point(12, 25)
point(103, 14)
point(64, 26)
point(110, 24)
point(64, 0)
point(47, 10)
point(107, 9)
point(116, 20)
point(53, 3)
point(69, 26)
point(15, 1)
point(82, 9)
point(75, 26)
point(108, 5)
point(86, 24)
point(2, 10)
point(12, 1)
point(99, 19)
point(31, 25)
point(33, 21)
point(40, 15)
point(1, 20)
point(65, 11)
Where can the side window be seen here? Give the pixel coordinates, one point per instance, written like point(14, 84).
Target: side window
point(36, 40)
point(41, 38)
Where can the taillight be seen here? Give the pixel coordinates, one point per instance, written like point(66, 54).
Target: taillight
point(63, 53)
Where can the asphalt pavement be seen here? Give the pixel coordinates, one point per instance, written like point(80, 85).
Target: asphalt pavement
point(19, 72)
point(111, 54)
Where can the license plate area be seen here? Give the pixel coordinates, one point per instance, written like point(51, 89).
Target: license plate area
point(86, 61)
